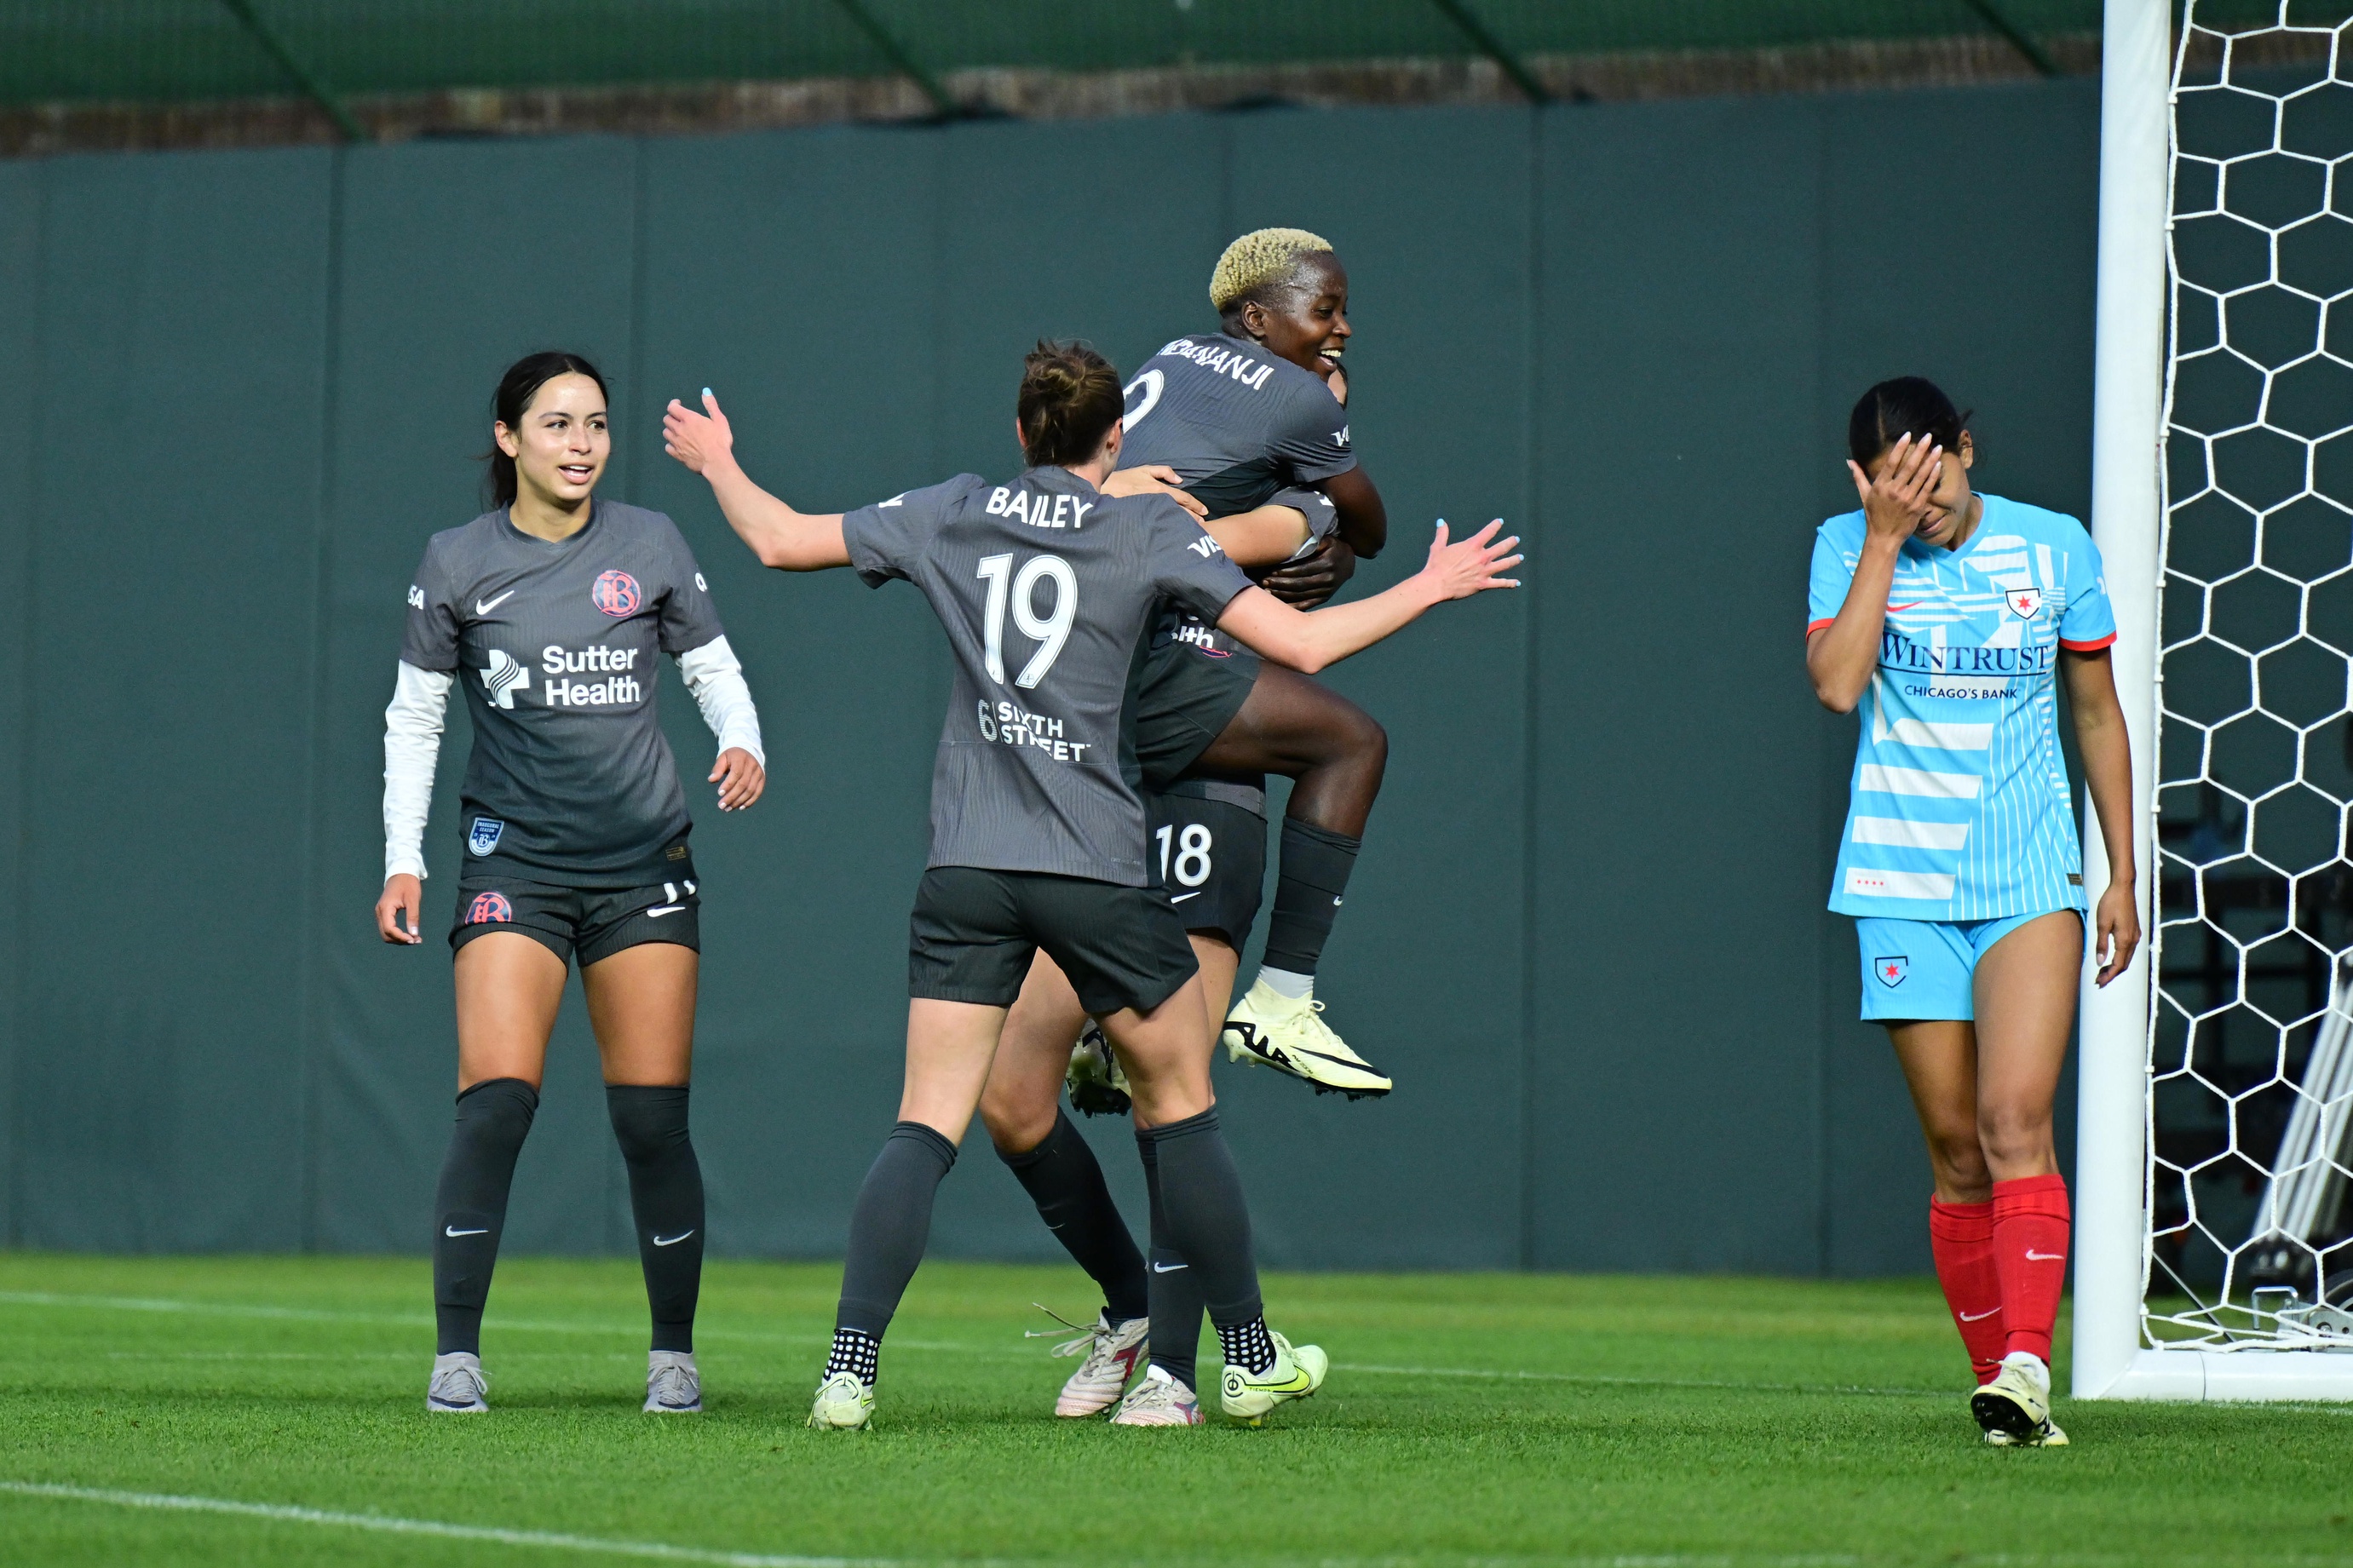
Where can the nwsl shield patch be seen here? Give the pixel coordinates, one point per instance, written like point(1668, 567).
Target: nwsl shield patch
point(2024, 603)
point(1890, 970)
point(484, 837)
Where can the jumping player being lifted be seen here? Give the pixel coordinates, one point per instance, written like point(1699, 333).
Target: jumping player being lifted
point(1046, 589)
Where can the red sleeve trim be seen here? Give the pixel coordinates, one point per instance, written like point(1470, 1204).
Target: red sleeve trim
point(2088, 646)
point(1813, 626)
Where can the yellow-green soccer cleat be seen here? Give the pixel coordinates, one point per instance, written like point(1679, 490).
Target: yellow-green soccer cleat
point(1097, 1083)
point(2014, 1409)
point(843, 1404)
point(1289, 1034)
point(1247, 1395)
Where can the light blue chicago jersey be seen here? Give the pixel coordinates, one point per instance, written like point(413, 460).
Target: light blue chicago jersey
point(1959, 807)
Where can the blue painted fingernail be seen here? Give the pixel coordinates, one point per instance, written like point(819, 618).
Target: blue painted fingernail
point(706, 392)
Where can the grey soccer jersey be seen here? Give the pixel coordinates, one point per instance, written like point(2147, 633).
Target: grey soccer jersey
point(1235, 423)
point(1046, 589)
point(570, 781)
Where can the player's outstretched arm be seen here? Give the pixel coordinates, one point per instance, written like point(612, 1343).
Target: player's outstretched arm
point(1312, 640)
point(2108, 769)
point(1840, 657)
point(787, 539)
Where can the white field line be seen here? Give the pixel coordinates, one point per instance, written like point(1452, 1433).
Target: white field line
point(387, 1320)
point(282, 1513)
point(424, 1321)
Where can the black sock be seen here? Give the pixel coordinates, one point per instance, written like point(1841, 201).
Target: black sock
point(1313, 876)
point(470, 1206)
point(666, 1199)
point(889, 1226)
point(1247, 1344)
point(855, 1352)
point(1175, 1292)
point(1206, 1217)
point(1064, 1178)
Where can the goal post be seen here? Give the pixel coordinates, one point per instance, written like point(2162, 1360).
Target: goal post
point(2211, 482)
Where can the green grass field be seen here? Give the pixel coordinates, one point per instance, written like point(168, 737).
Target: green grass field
point(1519, 1418)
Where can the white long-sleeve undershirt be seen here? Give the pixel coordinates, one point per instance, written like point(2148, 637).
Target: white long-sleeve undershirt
point(420, 710)
point(412, 745)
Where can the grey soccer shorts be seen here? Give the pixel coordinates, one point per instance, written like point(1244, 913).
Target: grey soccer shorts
point(974, 932)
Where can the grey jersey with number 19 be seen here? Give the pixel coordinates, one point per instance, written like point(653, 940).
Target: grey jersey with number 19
point(1046, 589)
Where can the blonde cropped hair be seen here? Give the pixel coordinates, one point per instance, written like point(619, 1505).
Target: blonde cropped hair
point(1261, 257)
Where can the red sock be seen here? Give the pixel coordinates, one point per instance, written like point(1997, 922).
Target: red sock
point(1961, 1236)
point(2030, 1245)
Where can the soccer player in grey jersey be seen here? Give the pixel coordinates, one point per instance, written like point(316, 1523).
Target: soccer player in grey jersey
point(550, 611)
point(1046, 588)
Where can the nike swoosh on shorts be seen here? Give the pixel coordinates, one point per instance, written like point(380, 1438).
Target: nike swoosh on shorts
point(665, 909)
point(1182, 897)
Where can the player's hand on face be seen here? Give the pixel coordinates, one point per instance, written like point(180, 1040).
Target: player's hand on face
point(740, 777)
point(1468, 566)
point(2116, 929)
point(401, 891)
point(698, 440)
point(1896, 503)
point(1154, 479)
point(1314, 577)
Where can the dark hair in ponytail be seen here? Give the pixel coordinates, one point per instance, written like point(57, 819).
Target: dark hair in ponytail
point(1070, 400)
point(1909, 404)
point(516, 389)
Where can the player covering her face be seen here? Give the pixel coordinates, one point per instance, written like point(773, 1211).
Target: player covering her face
point(977, 911)
point(1939, 612)
point(576, 844)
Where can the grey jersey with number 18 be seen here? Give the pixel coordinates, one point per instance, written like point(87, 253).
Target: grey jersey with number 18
point(1046, 589)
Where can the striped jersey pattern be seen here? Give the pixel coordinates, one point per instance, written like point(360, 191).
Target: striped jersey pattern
point(1959, 808)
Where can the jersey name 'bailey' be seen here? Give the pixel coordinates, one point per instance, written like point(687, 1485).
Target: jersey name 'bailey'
point(1046, 589)
point(570, 781)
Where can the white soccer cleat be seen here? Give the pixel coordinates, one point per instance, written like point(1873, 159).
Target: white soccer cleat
point(1111, 1355)
point(2015, 1407)
point(1098, 1086)
point(458, 1386)
point(1158, 1400)
point(1289, 1034)
point(843, 1404)
point(1247, 1395)
point(672, 1385)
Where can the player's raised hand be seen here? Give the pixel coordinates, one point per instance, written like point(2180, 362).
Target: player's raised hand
point(1154, 479)
point(1468, 566)
point(740, 777)
point(698, 440)
point(1898, 501)
point(401, 892)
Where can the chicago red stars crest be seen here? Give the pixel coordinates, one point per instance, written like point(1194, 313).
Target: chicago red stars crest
point(1891, 969)
point(2024, 603)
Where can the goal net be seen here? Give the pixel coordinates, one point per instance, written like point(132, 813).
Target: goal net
point(2249, 1143)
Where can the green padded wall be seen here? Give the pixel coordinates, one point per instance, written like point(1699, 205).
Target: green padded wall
point(1587, 933)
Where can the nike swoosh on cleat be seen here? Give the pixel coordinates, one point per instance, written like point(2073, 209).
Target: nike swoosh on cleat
point(1973, 1317)
point(1169, 1267)
point(445, 1230)
point(484, 606)
point(2034, 1256)
point(672, 1240)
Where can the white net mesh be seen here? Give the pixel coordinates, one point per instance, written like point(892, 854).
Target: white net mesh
point(2252, 1054)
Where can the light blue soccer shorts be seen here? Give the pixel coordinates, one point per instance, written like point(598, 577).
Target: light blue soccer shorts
point(1924, 969)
